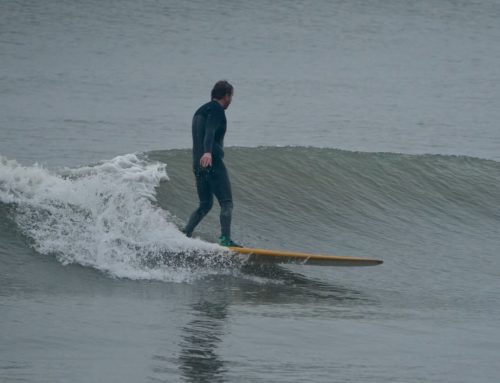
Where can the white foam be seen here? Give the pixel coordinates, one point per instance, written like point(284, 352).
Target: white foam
point(105, 216)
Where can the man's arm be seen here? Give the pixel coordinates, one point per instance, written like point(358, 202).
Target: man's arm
point(214, 120)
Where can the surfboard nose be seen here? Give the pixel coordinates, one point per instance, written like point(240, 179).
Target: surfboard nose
point(282, 256)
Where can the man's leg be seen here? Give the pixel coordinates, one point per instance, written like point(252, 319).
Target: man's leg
point(221, 187)
point(205, 195)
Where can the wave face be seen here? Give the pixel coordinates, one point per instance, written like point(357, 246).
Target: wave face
point(337, 188)
point(432, 213)
point(122, 216)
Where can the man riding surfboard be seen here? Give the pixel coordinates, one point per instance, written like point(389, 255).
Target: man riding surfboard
point(208, 129)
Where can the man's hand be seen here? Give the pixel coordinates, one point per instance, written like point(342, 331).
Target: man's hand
point(206, 160)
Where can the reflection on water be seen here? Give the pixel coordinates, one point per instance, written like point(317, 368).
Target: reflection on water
point(199, 361)
point(286, 286)
point(266, 290)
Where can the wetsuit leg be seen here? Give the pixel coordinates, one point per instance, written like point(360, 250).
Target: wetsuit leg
point(221, 187)
point(205, 194)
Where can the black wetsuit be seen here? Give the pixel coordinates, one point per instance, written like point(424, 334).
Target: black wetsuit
point(208, 128)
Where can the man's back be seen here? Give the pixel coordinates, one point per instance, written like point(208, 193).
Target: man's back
point(208, 128)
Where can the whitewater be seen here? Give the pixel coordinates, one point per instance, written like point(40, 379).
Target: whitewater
point(103, 216)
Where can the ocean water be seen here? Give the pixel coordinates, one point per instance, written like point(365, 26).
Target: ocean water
point(363, 128)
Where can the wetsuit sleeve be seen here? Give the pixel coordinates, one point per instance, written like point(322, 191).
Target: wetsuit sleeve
point(214, 120)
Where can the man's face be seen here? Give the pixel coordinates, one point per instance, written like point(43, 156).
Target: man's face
point(226, 101)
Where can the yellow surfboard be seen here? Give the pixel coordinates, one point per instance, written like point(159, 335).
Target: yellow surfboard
point(278, 256)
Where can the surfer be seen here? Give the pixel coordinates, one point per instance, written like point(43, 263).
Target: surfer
point(208, 129)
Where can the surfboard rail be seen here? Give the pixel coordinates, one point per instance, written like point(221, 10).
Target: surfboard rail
point(283, 256)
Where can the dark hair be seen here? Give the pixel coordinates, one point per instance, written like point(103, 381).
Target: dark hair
point(220, 89)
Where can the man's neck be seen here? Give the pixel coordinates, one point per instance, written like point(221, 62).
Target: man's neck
point(219, 101)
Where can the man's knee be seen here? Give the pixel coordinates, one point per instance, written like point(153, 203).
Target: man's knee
point(206, 206)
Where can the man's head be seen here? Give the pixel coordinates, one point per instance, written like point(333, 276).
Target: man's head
point(223, 93)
